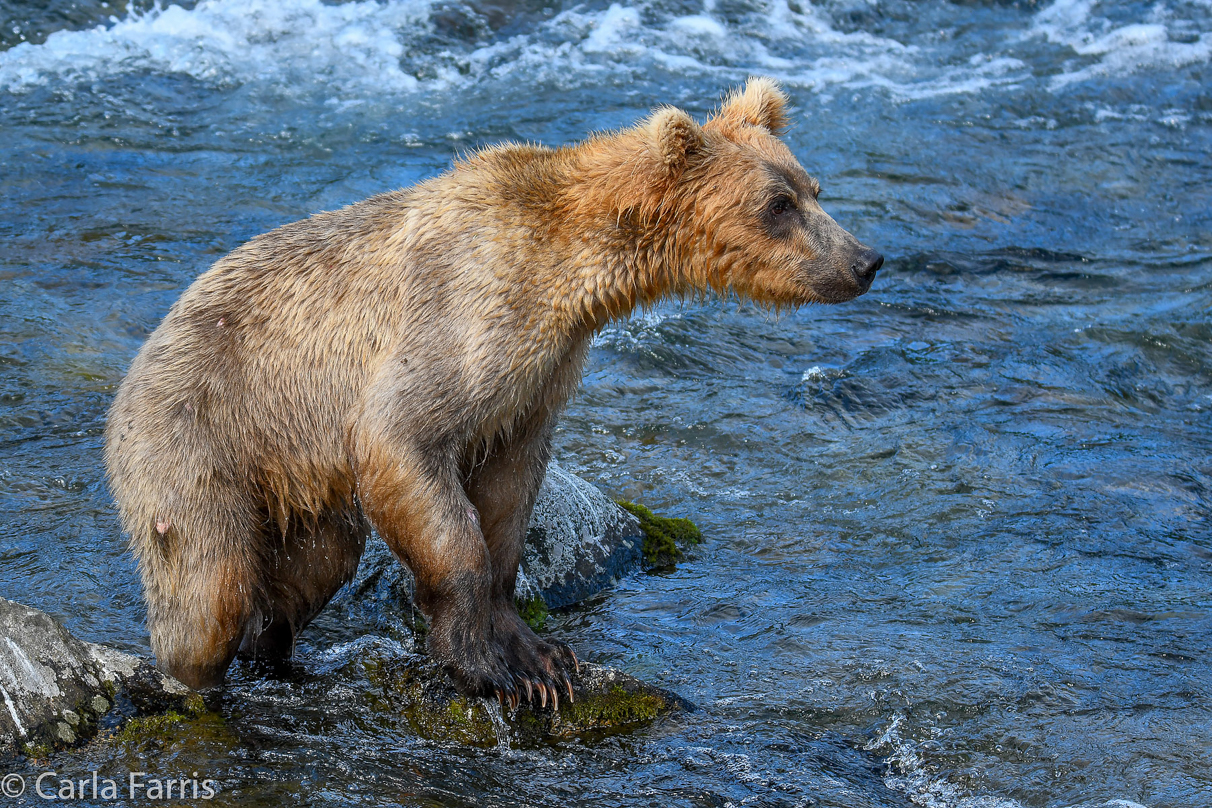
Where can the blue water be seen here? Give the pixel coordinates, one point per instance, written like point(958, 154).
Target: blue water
point(959, 551)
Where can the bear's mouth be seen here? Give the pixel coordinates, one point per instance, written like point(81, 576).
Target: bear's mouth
point(844, 280)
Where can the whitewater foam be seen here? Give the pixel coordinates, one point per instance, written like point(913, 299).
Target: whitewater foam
point(1118, 50)
point(357, 44)
point(909, 773)
point(374, 48)
point(367, 48)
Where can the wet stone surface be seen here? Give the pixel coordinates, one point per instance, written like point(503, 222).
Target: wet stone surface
point(58, 690)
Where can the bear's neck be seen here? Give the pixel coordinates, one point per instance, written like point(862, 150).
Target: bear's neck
point(627, 245)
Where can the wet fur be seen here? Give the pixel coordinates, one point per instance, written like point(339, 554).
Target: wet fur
point(401, 362)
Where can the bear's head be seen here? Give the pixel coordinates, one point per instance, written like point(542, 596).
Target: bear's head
point(744, 211)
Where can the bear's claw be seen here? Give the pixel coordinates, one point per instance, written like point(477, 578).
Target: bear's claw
point(513, 663)
point(537, 692)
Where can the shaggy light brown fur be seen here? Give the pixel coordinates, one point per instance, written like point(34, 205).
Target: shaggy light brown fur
point(401, 363)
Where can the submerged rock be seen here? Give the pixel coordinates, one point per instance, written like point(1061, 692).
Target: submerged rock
point(607, 701)
point(56, 689)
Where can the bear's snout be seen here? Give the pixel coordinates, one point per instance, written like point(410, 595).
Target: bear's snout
point(865, 265)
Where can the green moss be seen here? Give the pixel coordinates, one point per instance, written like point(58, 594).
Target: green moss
point(432, 709)
point(180, 734)
point(190, 721)
point(193, 705)
point(37, 751)
point(533, 611)
point(373, 667)
point(663, 537)
point(592, 715)
point(150, 727)
point(613, 709)
point(461, 722)
point(459, 711)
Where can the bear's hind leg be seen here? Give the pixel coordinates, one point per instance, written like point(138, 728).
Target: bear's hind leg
point(201, 580)
point(304, 569)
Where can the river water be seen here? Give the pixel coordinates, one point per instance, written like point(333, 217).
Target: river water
point(958, 543)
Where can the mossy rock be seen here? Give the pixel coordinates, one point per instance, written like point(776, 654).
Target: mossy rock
point(663, 537)
point(607, 701)
point(533, 611)
point(171, 729)
point(60, 691)
point(419, 691)
point(178, 739)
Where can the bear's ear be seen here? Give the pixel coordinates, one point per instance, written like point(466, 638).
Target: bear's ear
point(762, 103)
point(674, 137)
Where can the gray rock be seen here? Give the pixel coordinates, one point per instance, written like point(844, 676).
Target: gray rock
point(578, 542)
point(56, 688)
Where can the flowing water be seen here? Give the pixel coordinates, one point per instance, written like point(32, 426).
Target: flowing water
point(958, 543)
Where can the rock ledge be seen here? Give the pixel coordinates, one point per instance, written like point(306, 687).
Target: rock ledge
point(57, 690)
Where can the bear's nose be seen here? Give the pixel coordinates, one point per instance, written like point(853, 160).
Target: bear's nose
point(865, 267)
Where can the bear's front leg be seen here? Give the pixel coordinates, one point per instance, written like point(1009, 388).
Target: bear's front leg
point(422, 512)
point(503, 488)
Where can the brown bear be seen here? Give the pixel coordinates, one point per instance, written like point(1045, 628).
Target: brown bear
point(400, 363)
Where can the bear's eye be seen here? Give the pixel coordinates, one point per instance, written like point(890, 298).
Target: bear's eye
point(781, 205)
